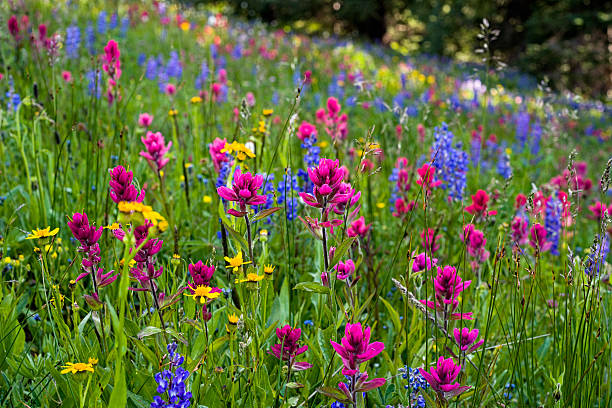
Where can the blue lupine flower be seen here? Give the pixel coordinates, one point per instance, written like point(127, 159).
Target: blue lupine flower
point(337, 405)
point(597, 257)
point(536, 136)
point(142, 58)
point(287, 191)
point(114, 21)
point(91, 39)
point(522, 129)
point(552, 223)
point(509, 387)
point(311, 158)
point(73, 41)
point(172, 383)
point(503, 164)
point(125, 25)
point(416, 382)
point(237, 52)
point(451, 162)
point(173, 66)
point(13, 100)
point(308, 323)
point(152, 67)
point(224, 171)
point(275, 98)
point(102, 22)
point(203, 76)
point(95, 83)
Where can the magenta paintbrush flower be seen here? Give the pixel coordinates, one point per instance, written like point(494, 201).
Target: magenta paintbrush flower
point(121, 187)
point(358, 228)
point(359, 384)
point(480, 202)
point(156, 150)
point(441, 378)
point(345, 270)
point(201, 274)
point(145, 120)
point(447, 286)
point(288, 347)
point(519, 231)
point(355, 347)
point(423, 261)
point(326, 177)
point(426, 177)
point(244, 191)
point(466, 339)
point(217, 154)
point(537, 238)
point(88, 236)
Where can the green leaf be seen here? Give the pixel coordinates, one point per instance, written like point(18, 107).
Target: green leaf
point(233, 233)
point(148, 331)
point(341, 250)
point(265, 213)
point(333, 393)
point(312, 287)
point(294, 385)
point(394, 315)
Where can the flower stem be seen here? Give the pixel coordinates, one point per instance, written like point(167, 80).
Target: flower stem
point(250, 240)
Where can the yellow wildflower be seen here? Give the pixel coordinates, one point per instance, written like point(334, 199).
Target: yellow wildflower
point(172, 112)
point(269, 269)
point(196, 99)
point(74, 368)
point(114, 226)
point(268, 112)
point(203, 293)
point(236, 262)
point(42, 233)
point(251, 278)
point(207, 199)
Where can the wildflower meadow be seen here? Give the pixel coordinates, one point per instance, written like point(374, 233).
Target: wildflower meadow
point(200, 211)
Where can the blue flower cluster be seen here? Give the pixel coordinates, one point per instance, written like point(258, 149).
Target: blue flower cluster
point(311, 158)
point(224, 171)
point(200, 81)
point(172, 383)
point(509, 388)
point(597, 257)
point(415, 382)
point(73, 41)
point(157, 69)
point(91, 39)
point(451, 162)
point(522, 129)
point(287, 191)
point(552, 222)
point(503, 163)
point(102, 22)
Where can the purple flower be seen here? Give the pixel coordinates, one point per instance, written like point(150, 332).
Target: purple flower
point(421, 261)
point(441, 378)
point(356, 348)
point(537, 238)
point(345, 270)
point(466, 339)
point(156, 150)
point(327, 178)
point(244, 191)
point(288, 349)
point(121, 187)
point(201, 274)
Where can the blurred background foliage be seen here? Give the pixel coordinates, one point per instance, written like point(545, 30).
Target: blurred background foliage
point(567, 41)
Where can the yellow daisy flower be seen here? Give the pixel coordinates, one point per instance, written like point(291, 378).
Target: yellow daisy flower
point(236, 262)
point(74, 368)
point(202, 293)
point(42, 233)
point(251, 278)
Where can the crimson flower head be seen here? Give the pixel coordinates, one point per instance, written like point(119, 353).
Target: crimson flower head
point(121, 187)
point(13, 26)
point(355, 348)
point(537, 238)
point(145, 120)
point(86, 234)
point(288, 348)
point(441, 378)
point(358, 228)
point(244, 191)
point(521, 200)
point(422, 261)
point(479, 205)
point(345, 270)
point(326, 178)
point(156, 150)
point(519, 230)
point(426, 177)
point(201, 273)
point(598, 211)
point(110, 60)
point(448, 284)
point(306, 130)
point(466, 339)
point(216, 153)
point(402, 208)
point(347, 198)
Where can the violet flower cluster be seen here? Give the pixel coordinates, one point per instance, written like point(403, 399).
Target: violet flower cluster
point(171, 383)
